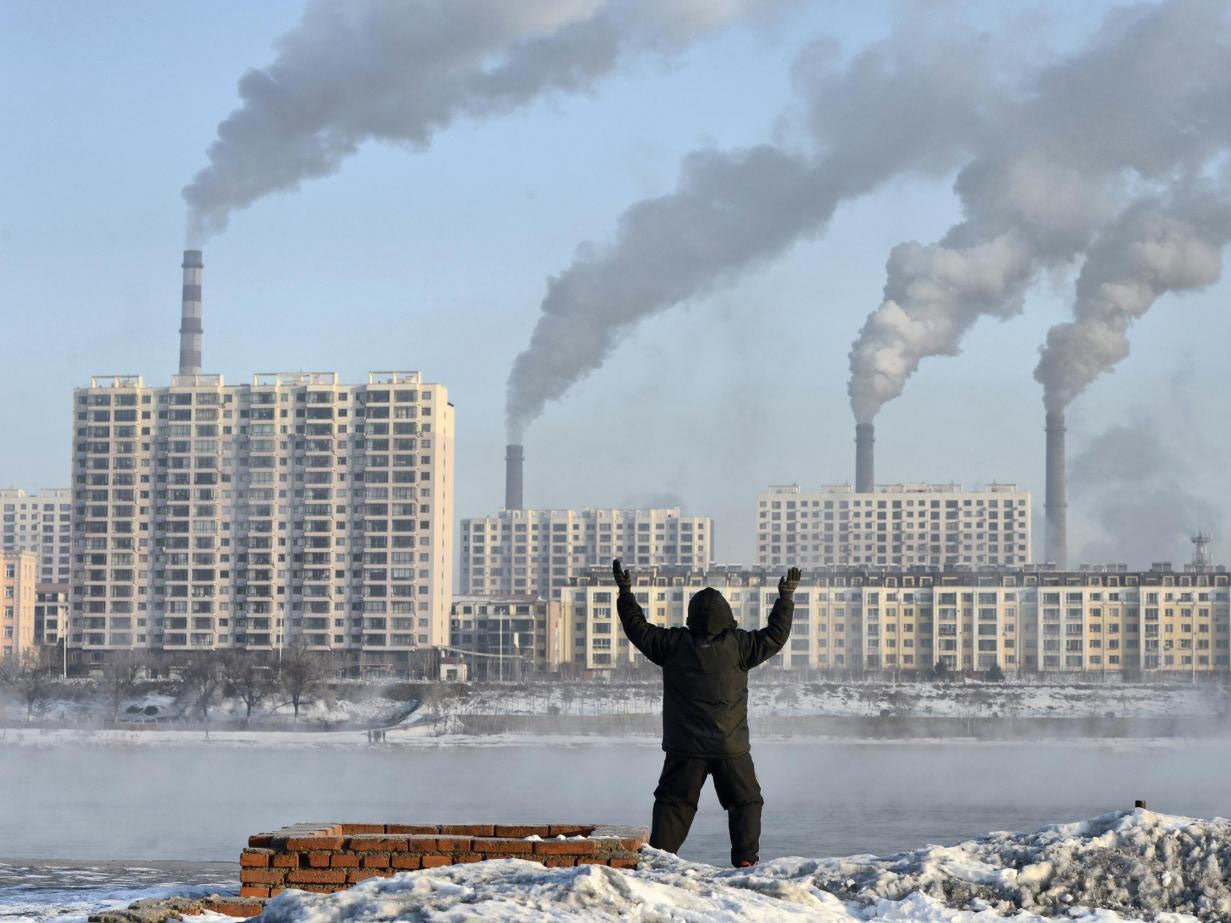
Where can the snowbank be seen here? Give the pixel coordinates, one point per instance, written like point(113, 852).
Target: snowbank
point(1123, 866)
point(772, 697)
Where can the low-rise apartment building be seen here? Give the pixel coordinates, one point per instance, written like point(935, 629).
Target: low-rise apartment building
point(894, 526)
point(538, 551)
point(506, 637)
point(18, 580)
point(1107, 621)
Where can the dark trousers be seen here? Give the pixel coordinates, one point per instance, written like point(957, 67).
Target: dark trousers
point(679, 790)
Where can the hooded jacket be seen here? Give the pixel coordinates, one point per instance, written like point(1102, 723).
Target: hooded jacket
point(705, 670)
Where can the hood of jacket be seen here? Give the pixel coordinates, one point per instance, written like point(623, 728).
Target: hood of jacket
point(709, 613)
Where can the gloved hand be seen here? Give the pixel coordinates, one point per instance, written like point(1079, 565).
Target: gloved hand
point(622, 579)
point(787, 584)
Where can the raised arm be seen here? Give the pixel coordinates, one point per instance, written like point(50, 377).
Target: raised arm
point(649, 639)
point(763, 643)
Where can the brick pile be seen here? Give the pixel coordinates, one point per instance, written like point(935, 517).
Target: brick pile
point(333, 857)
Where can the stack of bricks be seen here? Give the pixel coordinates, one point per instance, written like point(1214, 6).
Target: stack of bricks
point(332, 857)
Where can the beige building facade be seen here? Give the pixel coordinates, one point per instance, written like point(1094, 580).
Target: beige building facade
point(538, 551)
point(292, 507)
point(39, 521)
point(1098, 622)
point(18, 583)
point(896, 525)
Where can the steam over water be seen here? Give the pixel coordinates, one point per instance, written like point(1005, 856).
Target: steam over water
point(822, 798)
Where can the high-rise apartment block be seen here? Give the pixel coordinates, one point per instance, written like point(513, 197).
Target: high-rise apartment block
point(40, 522)
point(1102, 622)
point(18, 580)
point(291, 508)
point(538, 551)
point(895, 525)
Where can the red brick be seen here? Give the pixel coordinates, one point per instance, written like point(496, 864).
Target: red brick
point(343, 860)
point(464, 858)
point(620, 862)
point(309, 843)
point(316, 876)
point(320, 889)
point(559, 861)
point(564, 847)
point(376, 860)
point(431, 862)
point(520, 830)
point(250, 876)
point(286, 860)
point(419, 843)
point(405, 829)
point(376, 844)
point(358, 829)
point(467, 829)
point(453, 843)
point(354, 876)
point(253, 891)
point(570, 829)
point(403, 860)
point(255, 858)
point(505, 846)
point(318, 860)
point(261, 839)
point(235, 907)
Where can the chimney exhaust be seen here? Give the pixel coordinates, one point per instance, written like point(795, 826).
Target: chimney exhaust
point(513, 457)
point(865, 458)
point(1056, 535)
point(190, 314)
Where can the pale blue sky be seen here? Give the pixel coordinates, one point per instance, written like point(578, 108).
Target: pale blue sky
point(437, 260)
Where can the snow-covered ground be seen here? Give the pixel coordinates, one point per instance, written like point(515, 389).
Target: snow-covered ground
point(871, 699)
point(1124, 866)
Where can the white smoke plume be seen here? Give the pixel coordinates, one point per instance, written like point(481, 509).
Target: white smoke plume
point(1046, 154)
point(1143, 102)
point(1157, 245)
point(899, 106)
point(400, 71)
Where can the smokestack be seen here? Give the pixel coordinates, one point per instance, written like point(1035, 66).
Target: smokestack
point(190, 314)
point(1056, 536)
point(865, 458)
point(513, 456)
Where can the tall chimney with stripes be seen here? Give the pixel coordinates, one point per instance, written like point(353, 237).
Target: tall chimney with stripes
point(190, 314)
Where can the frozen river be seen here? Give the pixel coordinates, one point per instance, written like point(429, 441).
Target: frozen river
point(199, 803)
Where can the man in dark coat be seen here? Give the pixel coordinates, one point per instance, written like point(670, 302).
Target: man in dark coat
point(705, 709)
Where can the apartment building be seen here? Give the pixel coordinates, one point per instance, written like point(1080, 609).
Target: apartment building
point(538, 551)
point(895, 525)
point(50, 613)
point(18, 578)
point(506, 637)
point(1106, 621)
point(208, 515)
point(41, 522)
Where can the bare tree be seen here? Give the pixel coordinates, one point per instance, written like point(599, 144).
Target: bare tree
point(304, 673)
point(29, 678)
point(248, 677)
point(121, 673)
point(201, 682)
